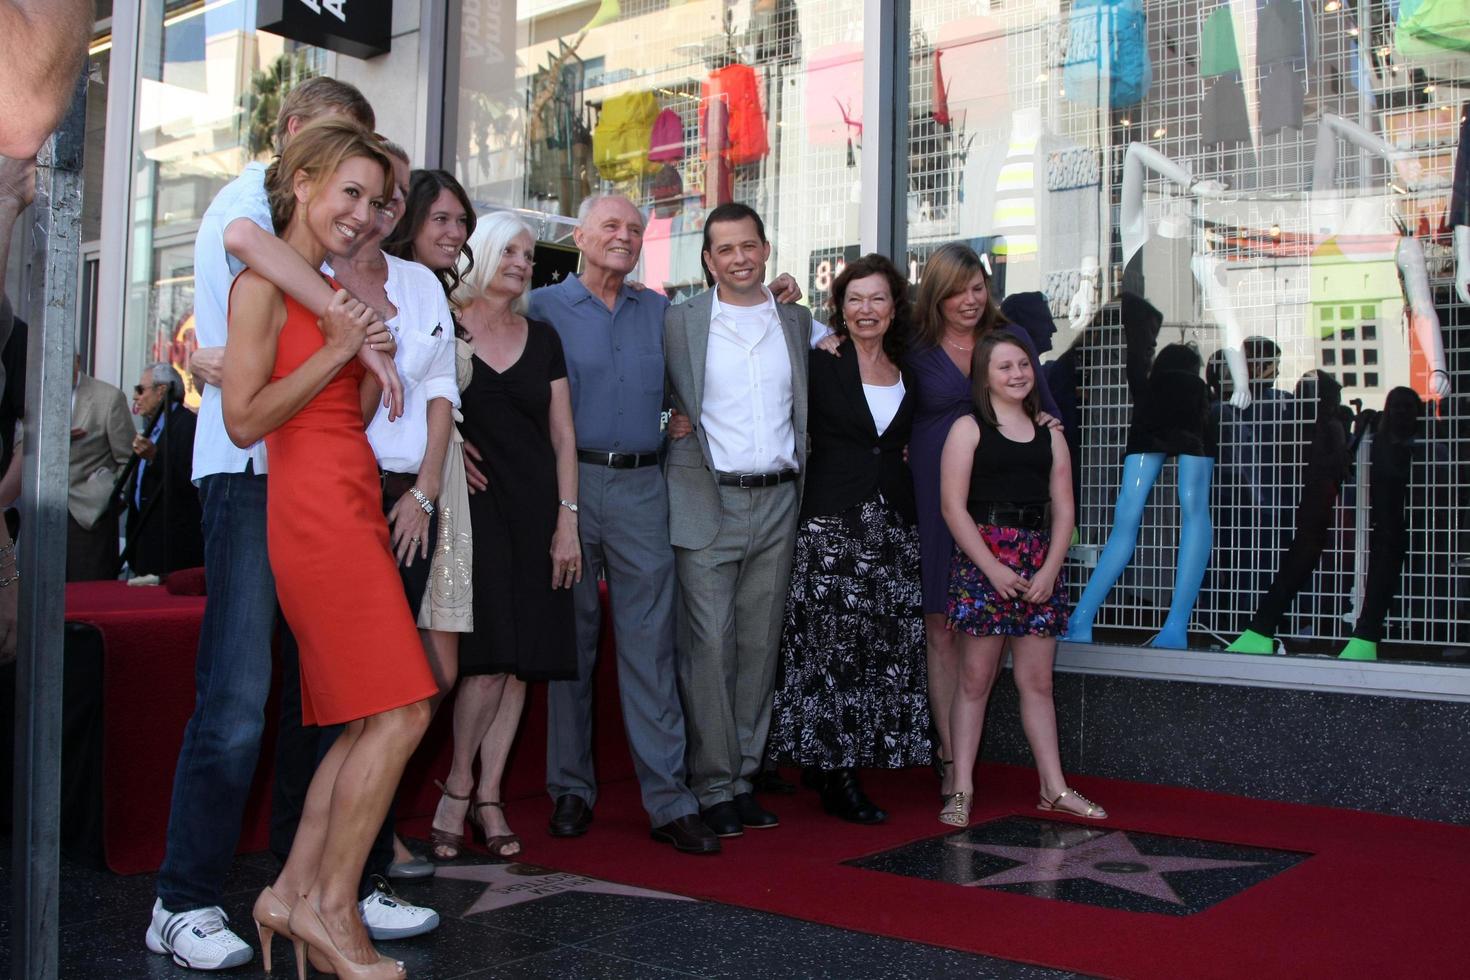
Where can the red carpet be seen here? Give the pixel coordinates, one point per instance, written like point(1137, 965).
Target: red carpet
point(1380, 896)
point(149, 639)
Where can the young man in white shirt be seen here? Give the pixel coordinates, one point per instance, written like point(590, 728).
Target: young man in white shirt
point(736, 363)
point(233, 668)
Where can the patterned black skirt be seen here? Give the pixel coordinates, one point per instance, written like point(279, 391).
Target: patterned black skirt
point(851, 688)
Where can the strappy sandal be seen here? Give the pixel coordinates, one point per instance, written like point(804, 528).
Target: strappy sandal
point(446, 845)
point(1092, 811)
point(497, 843)
point(956, 810)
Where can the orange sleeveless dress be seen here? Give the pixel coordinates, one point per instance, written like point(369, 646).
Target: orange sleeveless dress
point(335, 575)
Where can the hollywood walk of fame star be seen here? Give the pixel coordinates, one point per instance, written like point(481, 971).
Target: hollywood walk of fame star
point(1110, 859)
point(512, 884)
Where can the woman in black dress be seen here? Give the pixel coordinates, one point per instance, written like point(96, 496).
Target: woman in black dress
point(851, 690)
point(517, 414)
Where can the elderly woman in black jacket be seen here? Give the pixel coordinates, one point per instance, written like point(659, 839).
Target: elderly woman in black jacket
point(851, 688)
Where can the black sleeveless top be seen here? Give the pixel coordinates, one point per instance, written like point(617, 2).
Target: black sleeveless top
point(1008, 472)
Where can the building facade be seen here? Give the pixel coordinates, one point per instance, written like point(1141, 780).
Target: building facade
point(1281, 181)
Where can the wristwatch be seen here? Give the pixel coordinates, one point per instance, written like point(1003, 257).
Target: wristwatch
point(425, 504)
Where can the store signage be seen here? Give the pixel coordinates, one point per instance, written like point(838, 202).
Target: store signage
point(360, 28)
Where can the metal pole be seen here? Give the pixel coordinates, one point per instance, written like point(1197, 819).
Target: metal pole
point(56, 249)
point(883, 214)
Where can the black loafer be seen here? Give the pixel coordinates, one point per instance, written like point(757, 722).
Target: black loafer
point(570, 818)
point(753, 815)
point(843, 796)
point(723, 819)
point(688, 834)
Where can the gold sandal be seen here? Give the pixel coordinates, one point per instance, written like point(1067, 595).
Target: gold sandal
point(956, 810)
point(1093, 811)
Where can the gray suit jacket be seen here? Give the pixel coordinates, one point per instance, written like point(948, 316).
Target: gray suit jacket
point(99, 455)
point(694, 496)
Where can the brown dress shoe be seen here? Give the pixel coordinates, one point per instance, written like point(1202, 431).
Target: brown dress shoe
point(688, 834)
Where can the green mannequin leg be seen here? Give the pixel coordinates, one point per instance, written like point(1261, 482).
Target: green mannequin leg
point(1359, 649)
point(1252, 642)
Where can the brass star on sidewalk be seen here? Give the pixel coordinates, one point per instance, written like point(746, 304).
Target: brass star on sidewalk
point(512, 884)
point(1111, 859)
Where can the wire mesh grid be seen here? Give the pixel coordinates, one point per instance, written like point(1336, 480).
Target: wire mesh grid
point(1338, 306)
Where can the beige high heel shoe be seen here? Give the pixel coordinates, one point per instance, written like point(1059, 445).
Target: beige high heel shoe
point(311, 934)
point(272, 916)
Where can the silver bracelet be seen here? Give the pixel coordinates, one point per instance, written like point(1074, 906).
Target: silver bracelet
point(13, 578)
point(569, 505)
point(423, 500)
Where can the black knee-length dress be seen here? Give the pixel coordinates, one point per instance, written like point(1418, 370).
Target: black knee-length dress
point(522, 625)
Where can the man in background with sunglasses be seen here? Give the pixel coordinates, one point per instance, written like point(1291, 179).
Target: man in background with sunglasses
point(163, 526)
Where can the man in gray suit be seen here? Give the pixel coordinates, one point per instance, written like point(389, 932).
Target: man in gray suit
point(101, 444)
point(737, 368)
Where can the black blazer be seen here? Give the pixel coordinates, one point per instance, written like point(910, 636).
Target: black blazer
point(164, 534)
point(849, 462)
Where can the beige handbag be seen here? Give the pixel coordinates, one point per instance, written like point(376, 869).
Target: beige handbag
point(448, 601)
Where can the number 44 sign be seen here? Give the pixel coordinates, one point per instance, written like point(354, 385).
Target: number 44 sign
point(360, 28)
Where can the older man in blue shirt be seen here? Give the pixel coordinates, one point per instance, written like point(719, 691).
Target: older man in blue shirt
point(612, 335)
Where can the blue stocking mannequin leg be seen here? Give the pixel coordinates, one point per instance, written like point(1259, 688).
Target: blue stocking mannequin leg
point(1140, 470)
point(1196, 534)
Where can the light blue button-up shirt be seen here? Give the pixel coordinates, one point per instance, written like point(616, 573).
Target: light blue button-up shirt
point(615, 363)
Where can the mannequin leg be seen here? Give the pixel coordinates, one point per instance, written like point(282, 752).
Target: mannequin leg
point(1387, 546)
point(1196, 536)
point(1313, 526)
point(1140, 470)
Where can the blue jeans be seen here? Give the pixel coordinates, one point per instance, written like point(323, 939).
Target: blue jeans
point(232, 678)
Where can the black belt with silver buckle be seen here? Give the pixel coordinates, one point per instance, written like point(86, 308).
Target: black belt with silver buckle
point(618, 461)
point(1032, 517)
point(751, 481)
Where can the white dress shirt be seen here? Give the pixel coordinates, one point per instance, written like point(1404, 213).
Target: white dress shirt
point(747, 390)
point(214, 273)
point(425, 362)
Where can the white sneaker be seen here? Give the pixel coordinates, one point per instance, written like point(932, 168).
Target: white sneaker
point(197, 939)
point(389, 917)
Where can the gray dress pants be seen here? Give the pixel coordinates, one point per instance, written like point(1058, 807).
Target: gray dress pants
point(623, 517)
point(733, 599)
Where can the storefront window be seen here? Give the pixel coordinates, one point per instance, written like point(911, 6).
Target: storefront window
point(207, 94)
point(680, 106)
point(1269, 182)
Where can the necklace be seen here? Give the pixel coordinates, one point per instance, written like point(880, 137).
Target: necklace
point(957, 346)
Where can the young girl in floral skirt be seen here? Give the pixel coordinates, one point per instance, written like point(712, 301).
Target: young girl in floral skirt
point(1006, 495)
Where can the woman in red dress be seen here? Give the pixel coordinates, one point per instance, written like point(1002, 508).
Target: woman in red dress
point(298, 385)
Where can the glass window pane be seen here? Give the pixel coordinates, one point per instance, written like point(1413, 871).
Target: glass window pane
point(208, 91)
point(664, 103)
